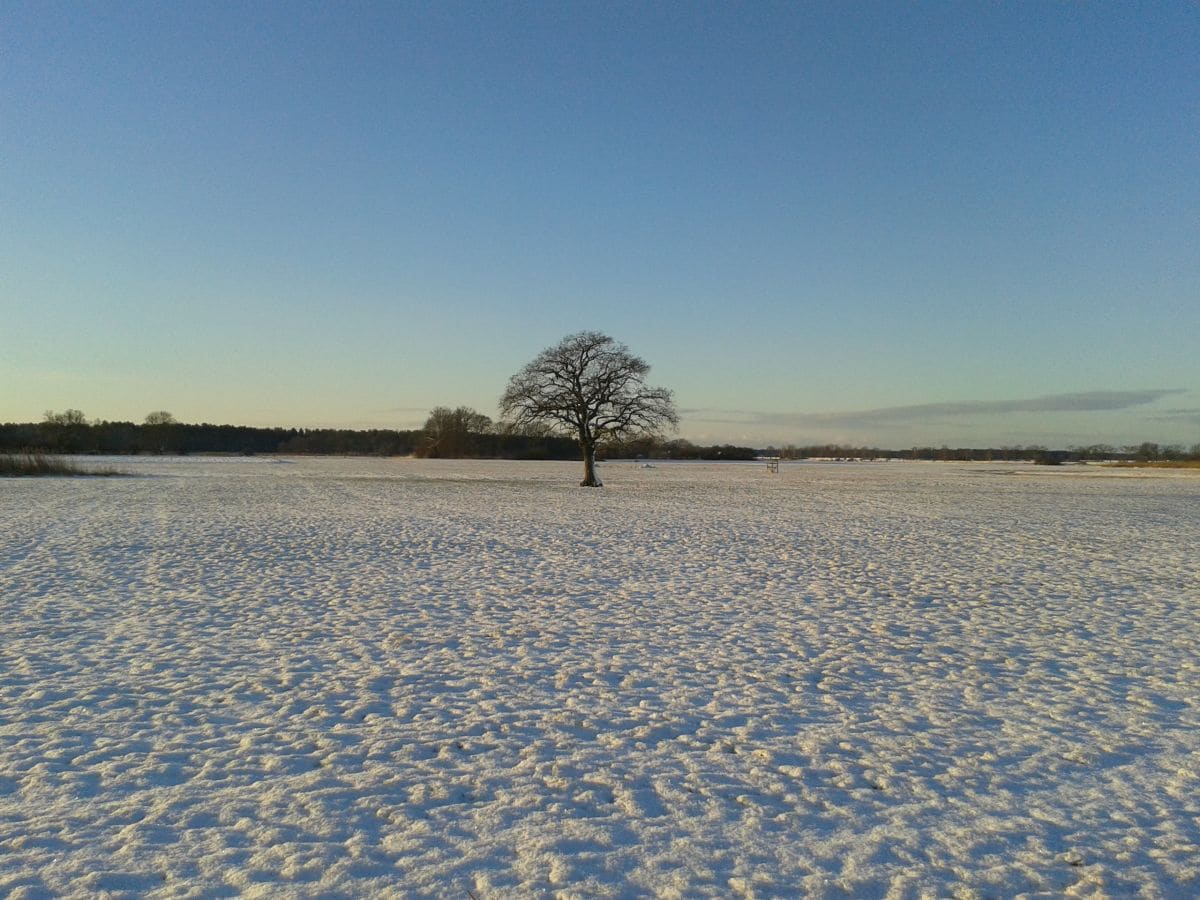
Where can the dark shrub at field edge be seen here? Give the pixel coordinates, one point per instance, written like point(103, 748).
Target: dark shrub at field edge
point(32, 465)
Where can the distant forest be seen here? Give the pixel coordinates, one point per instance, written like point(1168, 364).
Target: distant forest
point(127, 438)
point(452, 437)
point(459, 433)
point(1145, 452)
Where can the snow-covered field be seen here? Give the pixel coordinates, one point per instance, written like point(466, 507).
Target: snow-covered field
point(391, 677)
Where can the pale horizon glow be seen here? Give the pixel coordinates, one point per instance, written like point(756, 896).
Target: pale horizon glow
point(878, 224)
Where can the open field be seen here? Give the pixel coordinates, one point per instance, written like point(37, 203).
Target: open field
point(354, 677)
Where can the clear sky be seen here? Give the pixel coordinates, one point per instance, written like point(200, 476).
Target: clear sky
point(887, 223)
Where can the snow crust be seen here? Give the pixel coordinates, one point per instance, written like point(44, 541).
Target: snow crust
point(419, 678)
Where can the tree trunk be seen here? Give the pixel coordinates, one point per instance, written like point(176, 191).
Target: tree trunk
point(589, 466)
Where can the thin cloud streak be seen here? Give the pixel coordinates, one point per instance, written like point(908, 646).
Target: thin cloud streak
point(1191, 416)
point(1087, 401)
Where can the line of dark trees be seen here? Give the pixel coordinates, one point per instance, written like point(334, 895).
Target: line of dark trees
point(71, 432)
point(655, 448)
point(123, 438)
point(463, 432)
point(1144, 452)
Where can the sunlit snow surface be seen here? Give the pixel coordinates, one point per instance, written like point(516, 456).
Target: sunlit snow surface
point(391, 677)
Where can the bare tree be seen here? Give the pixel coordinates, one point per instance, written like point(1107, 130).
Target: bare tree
point(592, 387)
point(64, 432)
point(67, 417)
point(160, 431)
point(452, 433)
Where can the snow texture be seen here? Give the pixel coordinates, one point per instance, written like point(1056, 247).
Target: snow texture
point(310, 678)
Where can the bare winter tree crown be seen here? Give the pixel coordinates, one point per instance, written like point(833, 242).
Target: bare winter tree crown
point(592, 387)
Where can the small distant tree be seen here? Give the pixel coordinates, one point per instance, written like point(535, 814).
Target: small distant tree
point(63, 432)
point(159, 432)
point(1147, 451)
point(67, 417)
point(453, 433)
point(592, 387)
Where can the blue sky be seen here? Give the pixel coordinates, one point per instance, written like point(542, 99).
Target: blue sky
point(885, 223)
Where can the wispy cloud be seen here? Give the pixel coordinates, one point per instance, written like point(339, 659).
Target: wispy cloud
point(1087, 401)
point(1190, 416)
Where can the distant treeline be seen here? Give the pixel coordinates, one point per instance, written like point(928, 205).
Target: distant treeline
point(655, 448)
point(454, 434)
point(652, 448)
point(124, 438)
point(1145, 452)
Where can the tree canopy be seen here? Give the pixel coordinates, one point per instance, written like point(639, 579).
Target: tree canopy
point(592, 387)
point(452, 433)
